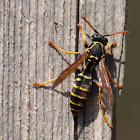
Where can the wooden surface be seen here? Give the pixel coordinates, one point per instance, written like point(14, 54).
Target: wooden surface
point(26, 27)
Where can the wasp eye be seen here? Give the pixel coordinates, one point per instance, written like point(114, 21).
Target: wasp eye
point(95, 35)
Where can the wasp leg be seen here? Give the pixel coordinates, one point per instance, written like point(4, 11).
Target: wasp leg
point(52, 44)
point(100, 101)
point(112, 79)
point(42, 84)
point(109, 47)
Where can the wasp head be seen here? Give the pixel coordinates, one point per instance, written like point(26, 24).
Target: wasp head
point(99, 38)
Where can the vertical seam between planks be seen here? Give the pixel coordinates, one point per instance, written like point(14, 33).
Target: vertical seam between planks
point(76, 50)
point(77, 29)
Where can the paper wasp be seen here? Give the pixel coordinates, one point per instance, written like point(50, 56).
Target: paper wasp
point(94, 59)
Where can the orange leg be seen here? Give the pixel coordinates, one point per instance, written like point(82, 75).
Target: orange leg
point(52, 44)
point(42, 84)
point(109, 47)
point(85, 43)
point(100, 101)
point(112, 79)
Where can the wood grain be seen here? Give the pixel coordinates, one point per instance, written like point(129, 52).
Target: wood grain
point(26, 27)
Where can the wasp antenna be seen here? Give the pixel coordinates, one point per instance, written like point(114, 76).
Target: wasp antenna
point(84, 36)
point(117, 33)
point(90, 25)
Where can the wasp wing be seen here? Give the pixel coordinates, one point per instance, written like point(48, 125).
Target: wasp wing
point(102, 76)
point(64, 74)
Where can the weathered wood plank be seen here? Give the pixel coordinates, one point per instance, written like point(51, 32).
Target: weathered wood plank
point(26, 27)
point(5, 89)
point(1, 71)
point(32, 21)
point(107, 17)
point(24, 32)
point(11, 69)
point(17, 72)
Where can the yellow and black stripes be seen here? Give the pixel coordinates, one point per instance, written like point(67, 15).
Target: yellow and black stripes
point(96, 51)
point(79, 92)
point(81, 87)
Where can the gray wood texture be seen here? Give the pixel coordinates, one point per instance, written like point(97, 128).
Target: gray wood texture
point(26, 27)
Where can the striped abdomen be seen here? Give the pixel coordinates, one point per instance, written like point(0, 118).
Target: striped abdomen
point(81, 87)
point(79, 92)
